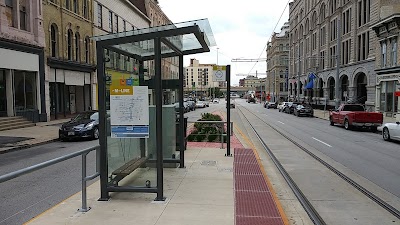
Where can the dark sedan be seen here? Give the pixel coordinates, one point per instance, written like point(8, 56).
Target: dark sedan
point(84, 125)
point(303, 109)
point(272, 105)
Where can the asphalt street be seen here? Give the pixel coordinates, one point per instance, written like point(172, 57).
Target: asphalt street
point(29, 195)
point(363, 152)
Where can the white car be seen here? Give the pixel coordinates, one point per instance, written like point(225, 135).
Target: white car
point(200, 104)
point(282, 105)
point(215, 100)
point(391, 131)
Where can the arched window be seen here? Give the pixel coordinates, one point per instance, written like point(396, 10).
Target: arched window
point(69, 44)
point(301, 32)
point(54, 40)
point(307, 26)
point(331, 84)
point(77, 47)
point(314, 20)
point(87, 49)
point(322, 13)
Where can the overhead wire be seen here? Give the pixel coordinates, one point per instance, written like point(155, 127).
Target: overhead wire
point(284, 10)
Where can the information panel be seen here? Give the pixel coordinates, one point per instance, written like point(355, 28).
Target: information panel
point(129, 111)
point(219, 73)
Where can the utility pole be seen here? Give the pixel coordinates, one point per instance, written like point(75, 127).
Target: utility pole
point(298, 77)
point(338, 56)
point(213, 81)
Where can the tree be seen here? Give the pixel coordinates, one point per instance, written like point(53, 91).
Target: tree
point(218, 92)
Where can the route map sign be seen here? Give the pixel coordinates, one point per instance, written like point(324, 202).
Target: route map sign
point(129, 111)
point(219, 73)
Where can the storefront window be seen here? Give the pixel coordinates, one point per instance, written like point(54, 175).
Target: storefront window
point(24, 90)
point(3, 94)
point(388, 102)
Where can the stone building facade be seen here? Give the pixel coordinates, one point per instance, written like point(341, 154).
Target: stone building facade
point(70, 78)
point(277, 65)
point(22, 73)
point(314, 48)
point(387, 64)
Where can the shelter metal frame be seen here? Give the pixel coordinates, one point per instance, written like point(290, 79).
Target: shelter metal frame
point(160, 35)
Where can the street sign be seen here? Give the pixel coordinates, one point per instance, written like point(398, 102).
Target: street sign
point(219, 73)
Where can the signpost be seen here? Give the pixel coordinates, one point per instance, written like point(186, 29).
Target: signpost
point(219, 73)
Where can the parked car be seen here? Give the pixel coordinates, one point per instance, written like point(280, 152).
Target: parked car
point(271, 105)
point(200, 104)
point(282, 105)
point(84, 125)
point(391, 131)
point(303, 109)
point(290, 107)
point(215, 100)
point(232, 103)
point(207, 103)
point(354, 115)
point(185, 107)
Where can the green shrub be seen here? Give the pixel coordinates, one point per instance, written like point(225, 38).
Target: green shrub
point(200, 137)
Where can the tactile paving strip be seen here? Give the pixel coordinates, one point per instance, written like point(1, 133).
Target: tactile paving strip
point(254, 203)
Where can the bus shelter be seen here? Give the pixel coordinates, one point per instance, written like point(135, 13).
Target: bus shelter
point(133, 133)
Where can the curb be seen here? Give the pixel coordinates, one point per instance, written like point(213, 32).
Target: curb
point(22, 147)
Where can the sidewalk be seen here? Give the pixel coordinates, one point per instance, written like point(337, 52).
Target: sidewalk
point(43, 132)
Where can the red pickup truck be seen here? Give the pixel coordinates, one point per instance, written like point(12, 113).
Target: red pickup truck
point(354, 115)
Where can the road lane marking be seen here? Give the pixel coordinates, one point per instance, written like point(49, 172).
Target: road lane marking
point(281, 122)
point(322, 142)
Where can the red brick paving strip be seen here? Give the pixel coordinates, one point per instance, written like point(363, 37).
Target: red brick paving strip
point(254, 203)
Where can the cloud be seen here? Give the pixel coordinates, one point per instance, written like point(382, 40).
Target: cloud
point(241, 29)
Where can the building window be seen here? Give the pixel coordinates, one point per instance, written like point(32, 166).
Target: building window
point(85, 9)
point(346, 21)
point(100, 15)
point(332, 53)
point(314, 41)
point(25, 90)
point(69, 44)
point(22, 18)
point(331, 89)
point(332, 6)
point(346, 50)
point(322, 13)
point(383, 55)
point(393, 55)
point(333, 29)
point(87, 49)
point(54, 40)
point(10, 12)
point(124, 25)
point(388, 101)
point(110, 21)
point(322, 39)
point(363, 46)
point(76, 6)
point(68, 4)
point(363, 12)
point(77, 47)
point(116, 24)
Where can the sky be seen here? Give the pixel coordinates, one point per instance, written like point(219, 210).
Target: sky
point(241, 30)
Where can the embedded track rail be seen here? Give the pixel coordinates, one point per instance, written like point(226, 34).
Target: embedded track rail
point(312, 213)
point(307, 206)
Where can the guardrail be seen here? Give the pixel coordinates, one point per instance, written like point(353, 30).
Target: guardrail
point(221, 133)
point(51, 162)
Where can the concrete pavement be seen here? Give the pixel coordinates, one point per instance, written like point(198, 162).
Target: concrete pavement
point(42, 133)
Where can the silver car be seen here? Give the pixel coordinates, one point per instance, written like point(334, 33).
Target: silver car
point(391, 131)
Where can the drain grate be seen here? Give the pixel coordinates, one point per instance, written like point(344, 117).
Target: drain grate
point(208, 163)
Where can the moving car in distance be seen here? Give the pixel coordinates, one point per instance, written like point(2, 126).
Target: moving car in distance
point(354, 115)
point(391, 131)
point(200, 104)
point(251, 99)
point(215, 100)
point(232, 103)
point(84, 125)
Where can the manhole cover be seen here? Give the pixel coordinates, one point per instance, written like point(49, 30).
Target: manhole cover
point(209, 163)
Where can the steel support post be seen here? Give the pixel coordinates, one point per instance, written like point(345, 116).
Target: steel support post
point(228, 110)
point(337, 86)
point(181, 116)
point(298, 77)
point(159, 104)
point(102, 123)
